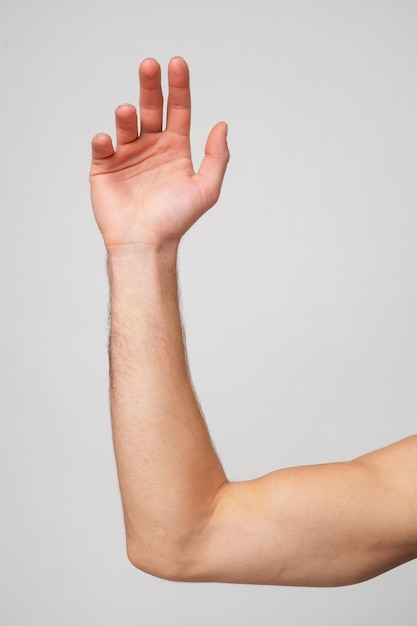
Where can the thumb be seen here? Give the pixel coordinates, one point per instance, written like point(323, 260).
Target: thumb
point(213, 166)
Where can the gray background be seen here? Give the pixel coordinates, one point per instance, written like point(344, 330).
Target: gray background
point(298, 289)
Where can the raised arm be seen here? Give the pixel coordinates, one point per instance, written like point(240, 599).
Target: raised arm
point(322, 525)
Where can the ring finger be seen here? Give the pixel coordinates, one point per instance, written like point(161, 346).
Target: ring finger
point(126, 124)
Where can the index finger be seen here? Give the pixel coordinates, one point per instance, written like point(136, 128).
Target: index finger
point(179, 98)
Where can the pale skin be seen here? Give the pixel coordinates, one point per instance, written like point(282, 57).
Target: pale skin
point(323, 525)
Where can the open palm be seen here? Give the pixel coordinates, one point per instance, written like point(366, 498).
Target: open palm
point(146, 191)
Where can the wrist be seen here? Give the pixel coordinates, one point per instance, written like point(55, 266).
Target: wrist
point(141, 259)
point(142, 249)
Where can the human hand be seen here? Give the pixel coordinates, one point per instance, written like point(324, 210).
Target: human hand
point(146, 192)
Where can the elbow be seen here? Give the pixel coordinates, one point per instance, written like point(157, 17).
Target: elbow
point(167, 568)
point(174, 563)
point(180, 551)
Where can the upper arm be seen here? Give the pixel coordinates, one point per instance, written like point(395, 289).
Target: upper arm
point(322, 525)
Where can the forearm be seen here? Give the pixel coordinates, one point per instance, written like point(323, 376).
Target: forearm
point(168, 471)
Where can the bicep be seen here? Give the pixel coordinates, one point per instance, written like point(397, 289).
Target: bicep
point(323, 525)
